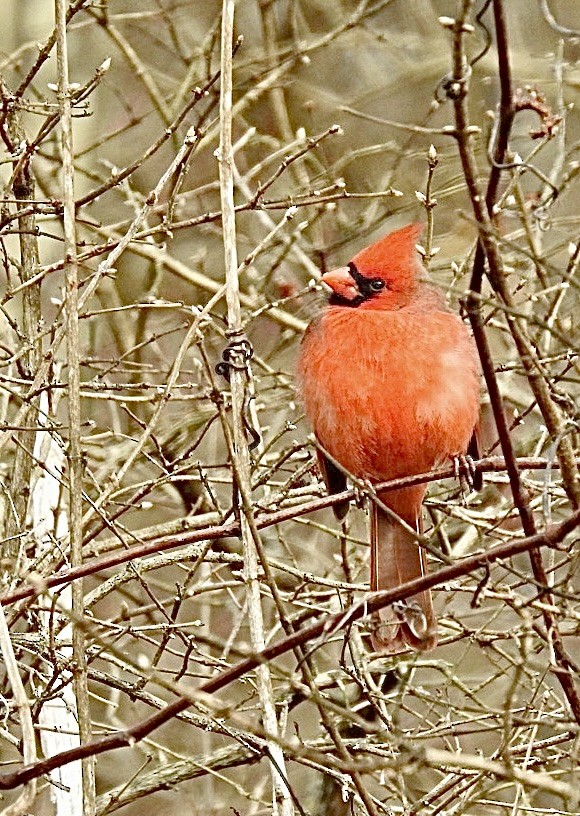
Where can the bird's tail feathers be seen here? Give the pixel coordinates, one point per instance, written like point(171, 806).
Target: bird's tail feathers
point(397, 558)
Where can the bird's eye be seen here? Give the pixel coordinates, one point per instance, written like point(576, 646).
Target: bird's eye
point(376, 284)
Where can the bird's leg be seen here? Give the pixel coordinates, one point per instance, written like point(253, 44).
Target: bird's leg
point(465, 472)
point(363, 490)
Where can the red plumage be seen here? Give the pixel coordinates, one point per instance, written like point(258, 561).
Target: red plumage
point(389, 380)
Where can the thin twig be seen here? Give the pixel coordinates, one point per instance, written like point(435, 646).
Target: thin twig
point(324, 628)
point(75, 453)
point(240, 452)
point(25, 801)
point(158, 544)
point(488, 247)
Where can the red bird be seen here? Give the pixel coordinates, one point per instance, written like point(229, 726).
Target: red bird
point(389, 380)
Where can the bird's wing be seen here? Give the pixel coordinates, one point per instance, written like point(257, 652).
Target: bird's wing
point(473, 450)
point(335, 481)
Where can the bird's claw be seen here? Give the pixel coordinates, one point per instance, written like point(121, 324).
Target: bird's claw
point(465, 471)
point(361, 492)
point(410, 613)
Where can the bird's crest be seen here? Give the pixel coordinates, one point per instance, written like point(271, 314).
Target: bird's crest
point(393, 257)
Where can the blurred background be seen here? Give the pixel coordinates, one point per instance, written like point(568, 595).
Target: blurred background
point(336, 105)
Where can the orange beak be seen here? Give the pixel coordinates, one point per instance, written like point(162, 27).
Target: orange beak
point(341, 282)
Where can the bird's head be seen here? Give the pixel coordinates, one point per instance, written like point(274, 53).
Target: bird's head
point(381, 276)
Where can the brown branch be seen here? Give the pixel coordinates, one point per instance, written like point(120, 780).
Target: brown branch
point(23, 186)
point(550, 412)
point(39, 584)
point(44, 53)
point(324, 628)
point(488, 248)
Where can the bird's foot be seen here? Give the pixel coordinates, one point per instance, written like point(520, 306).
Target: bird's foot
point(362, 490)
point(410, 613)
point(465, 472)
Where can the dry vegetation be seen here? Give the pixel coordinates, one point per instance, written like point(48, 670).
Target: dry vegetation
point(184, 499)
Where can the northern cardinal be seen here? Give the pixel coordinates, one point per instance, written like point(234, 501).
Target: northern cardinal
point(389, 380)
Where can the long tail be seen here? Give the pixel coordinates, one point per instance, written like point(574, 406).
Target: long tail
point(395, 559)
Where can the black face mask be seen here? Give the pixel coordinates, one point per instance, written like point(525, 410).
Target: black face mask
point(367, 287)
